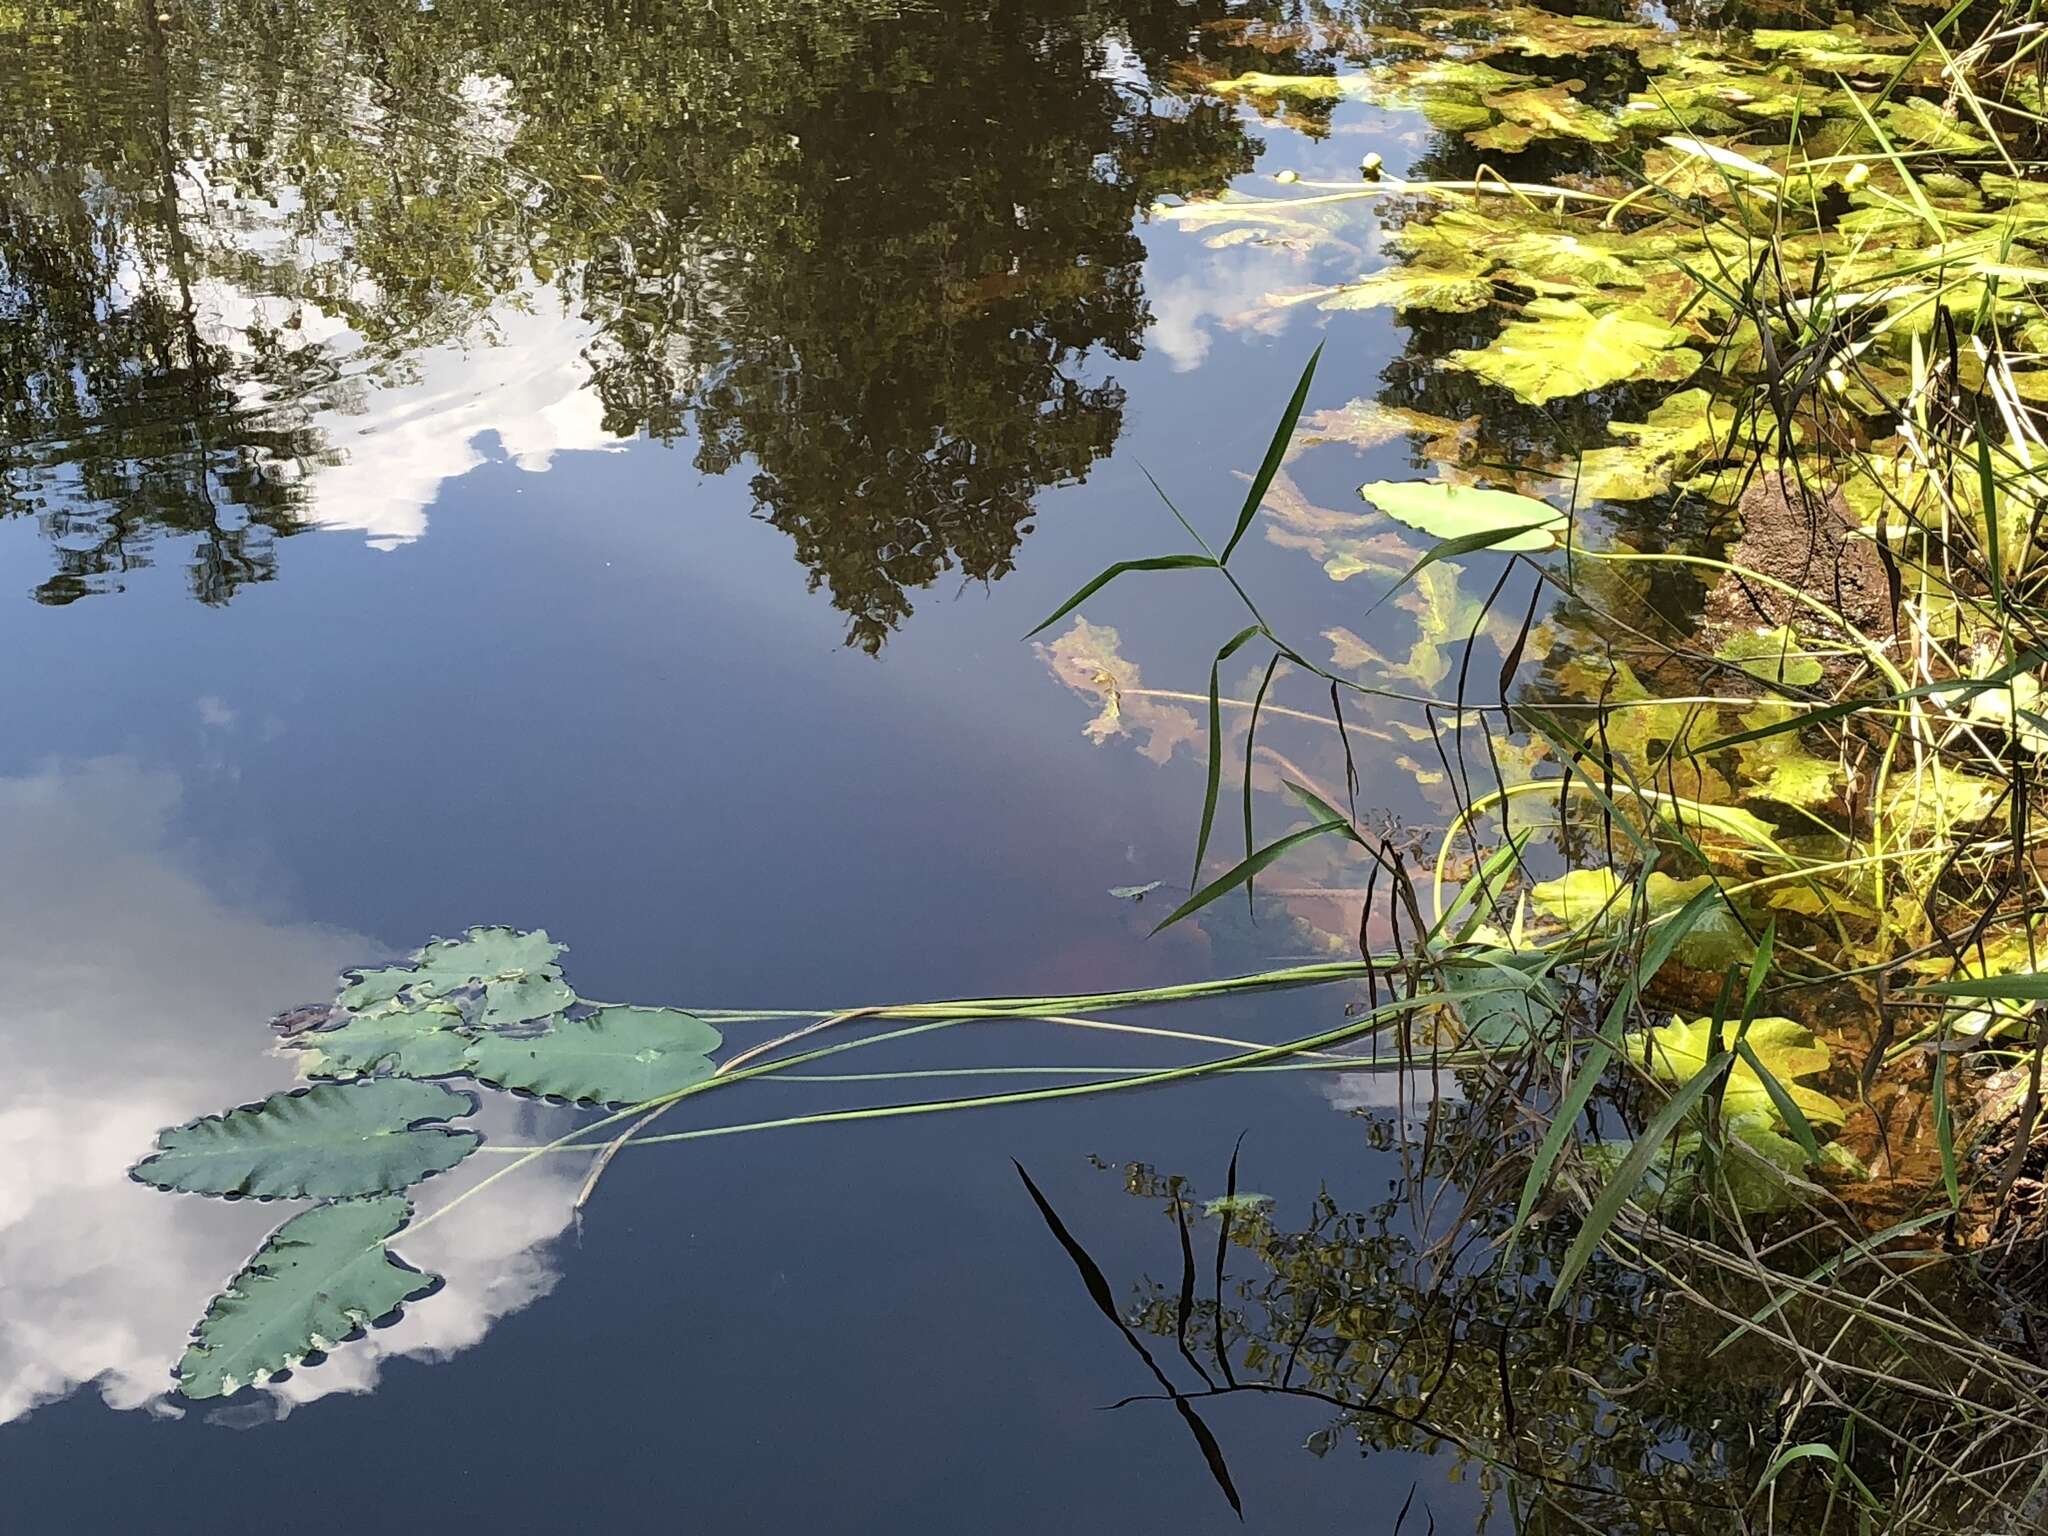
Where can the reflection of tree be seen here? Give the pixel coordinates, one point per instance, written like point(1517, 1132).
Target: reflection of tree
point(871, 254)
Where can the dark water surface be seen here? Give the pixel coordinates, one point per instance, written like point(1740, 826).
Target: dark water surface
point(592, 468)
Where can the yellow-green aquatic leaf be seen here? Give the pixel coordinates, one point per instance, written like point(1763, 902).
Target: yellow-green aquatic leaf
point(2012, 709)
point(1461, 511)
point(1933, 797)
point(1582, 896)
point(1560, 348)
point(1414, 287)
point(1551, 113)
point(1368, 423)
point(1615, 474)
point(1922, 125)
point(1779, 768)
point(1688, 425)
point(1679, 1051)
point(1772, 655)
point(1304, 87)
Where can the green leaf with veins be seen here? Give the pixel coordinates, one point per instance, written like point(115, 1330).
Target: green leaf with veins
point(420, 1041)
point(331, 1139)
point(321, 1276)
point(616, 1056)
point(1759, 1168)
point(481, 955)
point(1562, 348)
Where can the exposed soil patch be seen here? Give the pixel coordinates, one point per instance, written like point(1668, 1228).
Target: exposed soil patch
point(1807, 542)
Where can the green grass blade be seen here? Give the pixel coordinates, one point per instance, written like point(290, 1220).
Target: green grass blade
point(1215, 750)
point(1245, 869)
point(1630, 1174)
point(1663, 940)
point(1275, 452)
point(1123, 568)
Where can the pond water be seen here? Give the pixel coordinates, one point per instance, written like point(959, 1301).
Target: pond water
point(478, 463)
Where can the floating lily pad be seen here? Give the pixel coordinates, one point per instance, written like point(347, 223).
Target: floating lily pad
point(321, 1276)
point(424, 1041)
point(331, 1139)
point(616, 1056)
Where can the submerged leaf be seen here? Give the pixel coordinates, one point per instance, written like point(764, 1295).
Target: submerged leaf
point(331, 1139)
point(321, 1276)
point(616, 1056)
point(1772, 655)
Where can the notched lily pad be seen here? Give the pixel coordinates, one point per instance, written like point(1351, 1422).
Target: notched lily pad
point(330, 1139)
point(322, 1275)
point(616, 1056)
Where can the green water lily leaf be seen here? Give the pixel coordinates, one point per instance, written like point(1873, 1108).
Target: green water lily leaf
point(321, 1276)
point(616, 1056)
point(522, 999)
point(1448, 511)
point(1678, 1052)
point(1560, 348)
point(481, 955)
point(1772, 655)
point(331, 1139)
point(421, 1041)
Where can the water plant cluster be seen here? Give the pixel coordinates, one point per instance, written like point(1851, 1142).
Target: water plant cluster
point(1731, 935)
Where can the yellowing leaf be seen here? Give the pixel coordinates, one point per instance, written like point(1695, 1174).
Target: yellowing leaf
point(1582, 896)
point(1562, 348)
point(1461, 511)
point(1451, 291)
point(1773, 655)
point(1678, 1052)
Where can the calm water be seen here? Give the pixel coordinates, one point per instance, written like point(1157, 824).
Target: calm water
point(478, 464)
